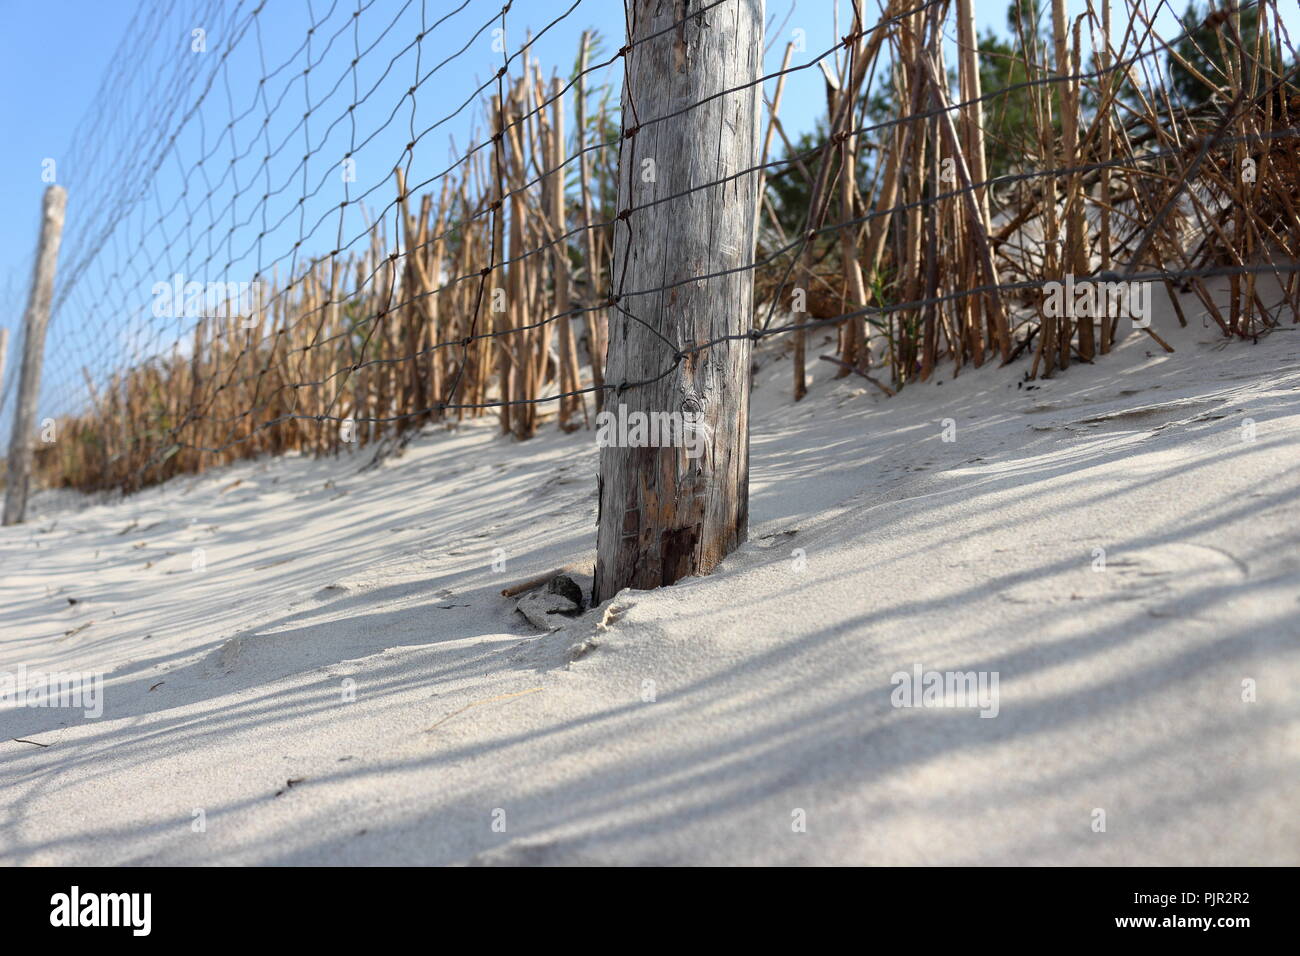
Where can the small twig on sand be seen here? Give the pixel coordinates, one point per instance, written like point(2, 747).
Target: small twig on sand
point(1163, 344)
point(853, 368)
point(487, 700)
point(578, 567)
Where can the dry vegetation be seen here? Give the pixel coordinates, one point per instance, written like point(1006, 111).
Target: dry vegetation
point(899, 222)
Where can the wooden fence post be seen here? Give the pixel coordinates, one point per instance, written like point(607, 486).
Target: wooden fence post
point(29, 382)
point(674, 436)
point(4, 354)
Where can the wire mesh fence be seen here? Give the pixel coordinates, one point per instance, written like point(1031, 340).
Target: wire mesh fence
point(266, 251)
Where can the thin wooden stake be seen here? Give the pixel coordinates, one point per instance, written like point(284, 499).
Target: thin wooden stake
point(35, 322)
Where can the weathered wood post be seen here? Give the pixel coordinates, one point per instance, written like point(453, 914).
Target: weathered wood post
point(674, 460)
point(29, 382)
point(4, 354)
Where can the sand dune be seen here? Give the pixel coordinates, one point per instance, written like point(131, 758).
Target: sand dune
point(313, 661)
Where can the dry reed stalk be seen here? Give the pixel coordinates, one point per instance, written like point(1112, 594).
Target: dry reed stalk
point(594, 319)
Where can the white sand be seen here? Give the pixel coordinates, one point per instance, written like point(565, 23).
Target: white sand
point(1119, 690)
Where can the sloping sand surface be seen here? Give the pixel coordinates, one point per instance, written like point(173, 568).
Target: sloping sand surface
point(313, 661)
